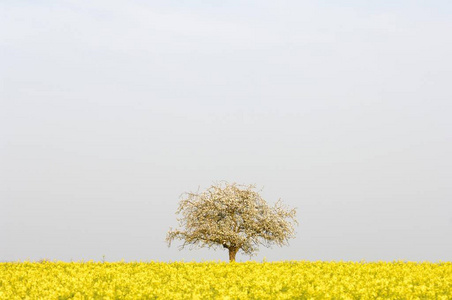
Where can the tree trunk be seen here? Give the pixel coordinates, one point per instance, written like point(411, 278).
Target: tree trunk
point(232, 252)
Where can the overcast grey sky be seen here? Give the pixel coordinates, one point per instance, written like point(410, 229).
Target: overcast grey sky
point(109, 110)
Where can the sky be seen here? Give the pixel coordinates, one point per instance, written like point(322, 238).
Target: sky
point(110, 110)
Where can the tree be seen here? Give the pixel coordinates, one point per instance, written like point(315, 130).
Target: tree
point(234, 217)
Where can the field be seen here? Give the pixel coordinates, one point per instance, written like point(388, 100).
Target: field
point(217, 280)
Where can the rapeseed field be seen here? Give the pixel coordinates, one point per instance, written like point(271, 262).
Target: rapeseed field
point(218, 280)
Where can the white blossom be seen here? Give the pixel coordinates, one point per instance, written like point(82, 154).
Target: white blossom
point(234, 217)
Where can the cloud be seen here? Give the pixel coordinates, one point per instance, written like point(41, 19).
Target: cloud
point(127, 28)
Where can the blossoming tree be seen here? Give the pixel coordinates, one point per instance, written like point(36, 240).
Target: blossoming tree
point(234, 217)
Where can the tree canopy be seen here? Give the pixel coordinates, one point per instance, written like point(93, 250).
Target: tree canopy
point(234, 217)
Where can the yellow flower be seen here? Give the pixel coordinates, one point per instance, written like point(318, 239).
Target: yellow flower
point(217, 280)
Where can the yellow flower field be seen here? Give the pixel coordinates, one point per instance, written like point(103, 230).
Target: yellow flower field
point(217, 280)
